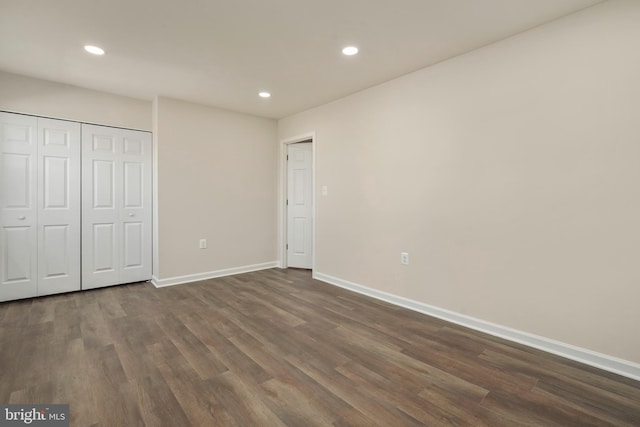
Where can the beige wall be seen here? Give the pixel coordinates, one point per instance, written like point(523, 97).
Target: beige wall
point(217, 179)
point(510, 174)
point(23, 94)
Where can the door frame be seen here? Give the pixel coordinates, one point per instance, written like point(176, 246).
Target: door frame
point(282, 205)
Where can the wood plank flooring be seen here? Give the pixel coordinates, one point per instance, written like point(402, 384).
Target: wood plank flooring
point(276, 348)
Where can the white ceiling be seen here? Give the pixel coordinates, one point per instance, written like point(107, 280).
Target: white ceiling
point(222, 52)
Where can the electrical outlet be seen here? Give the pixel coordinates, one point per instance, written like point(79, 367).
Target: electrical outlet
point(203, 243)
point(404, 258)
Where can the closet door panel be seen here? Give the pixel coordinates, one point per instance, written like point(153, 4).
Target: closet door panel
point(16, 243)
point(100, 207)
point(116, 206)
point(56, 182)
point(133, 245)
point(17, 180)
point(58, 206)
point(18, 212)
point(136, 206)
point(56, 259)
point(104, 249)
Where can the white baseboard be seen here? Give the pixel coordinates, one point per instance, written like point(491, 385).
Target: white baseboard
point(602, 361)
point(160, 283)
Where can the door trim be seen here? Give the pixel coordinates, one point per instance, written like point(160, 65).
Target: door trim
point(282, 205)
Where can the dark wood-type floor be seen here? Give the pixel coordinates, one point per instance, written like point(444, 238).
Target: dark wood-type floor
point(277, 348)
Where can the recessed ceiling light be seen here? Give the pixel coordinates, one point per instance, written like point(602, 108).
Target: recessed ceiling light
point(264, 94)
point(350, 50)
point(94, 50)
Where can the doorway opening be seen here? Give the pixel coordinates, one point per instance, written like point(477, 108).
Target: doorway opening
point(298, 227)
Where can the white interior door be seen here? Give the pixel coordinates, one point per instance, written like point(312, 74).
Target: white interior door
point(136, 209)
point(18, 208)
point(58, 206)
point(116, 206)
point(100, 208)
point(299, 205)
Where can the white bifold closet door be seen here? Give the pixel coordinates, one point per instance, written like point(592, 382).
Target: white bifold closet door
point(58, 206)
point(116, 206)
point(39, 206)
